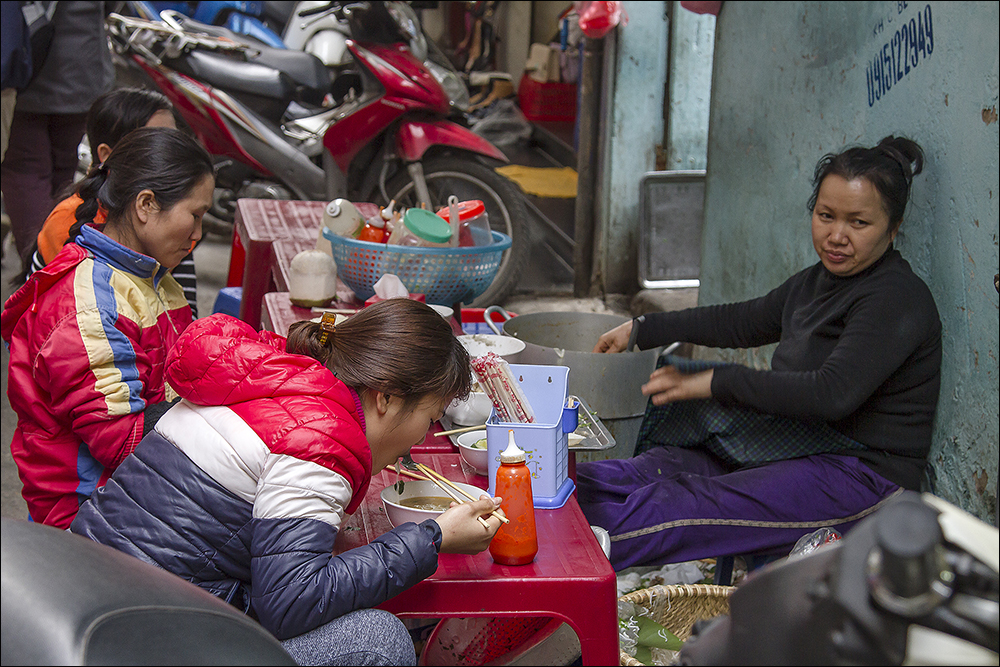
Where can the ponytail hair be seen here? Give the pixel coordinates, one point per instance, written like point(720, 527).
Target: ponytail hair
point(399, 347)
point(168, 162)
point(889, 166)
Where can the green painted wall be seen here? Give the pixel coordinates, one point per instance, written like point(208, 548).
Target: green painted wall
point(795, 80)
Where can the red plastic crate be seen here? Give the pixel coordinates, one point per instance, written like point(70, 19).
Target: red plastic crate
point(547, 102)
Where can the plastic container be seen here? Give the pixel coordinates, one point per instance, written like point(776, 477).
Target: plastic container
point(473, 223)
point(474, 321)
point(547, 102)
point(516, 543)
point(423, 229)
point(445, 275)
point(545, 444)
point(342, 218)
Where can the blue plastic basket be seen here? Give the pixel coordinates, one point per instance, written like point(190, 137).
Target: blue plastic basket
point(444, 275)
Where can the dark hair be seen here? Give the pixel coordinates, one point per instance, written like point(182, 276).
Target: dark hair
point(400, 347)
point(168, 162)
point(890, 167)
point(117, 112)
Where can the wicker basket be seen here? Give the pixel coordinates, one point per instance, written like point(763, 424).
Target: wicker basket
point(677, 608)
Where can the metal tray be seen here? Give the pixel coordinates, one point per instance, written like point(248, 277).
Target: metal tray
point(595, 435)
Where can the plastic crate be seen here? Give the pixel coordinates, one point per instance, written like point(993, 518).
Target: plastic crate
point(545, 445)
point(474, 321)
point(445, 275)
point(547, 102)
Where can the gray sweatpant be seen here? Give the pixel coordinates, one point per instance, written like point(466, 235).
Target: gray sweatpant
point(363, 637)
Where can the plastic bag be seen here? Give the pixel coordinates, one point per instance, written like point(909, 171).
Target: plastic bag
point(813, 541)
point(598, 18)
point(503, 124)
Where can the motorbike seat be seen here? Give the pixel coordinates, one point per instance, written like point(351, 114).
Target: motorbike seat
point(70, 601)
point(309, 77)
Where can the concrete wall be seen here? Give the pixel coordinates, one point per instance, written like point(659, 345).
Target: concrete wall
point(692, 43)
point(795, 80)
point(635, 72)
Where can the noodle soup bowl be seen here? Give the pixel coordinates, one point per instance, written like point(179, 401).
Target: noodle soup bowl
point(399, 507)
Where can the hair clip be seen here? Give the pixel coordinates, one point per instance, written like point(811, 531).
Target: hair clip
point(328, 325)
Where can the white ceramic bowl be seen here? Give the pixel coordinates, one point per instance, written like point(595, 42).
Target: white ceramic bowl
point(415, 488)
point(475, 457)
point(472, 411)
point(444, 311)
point(507, 347)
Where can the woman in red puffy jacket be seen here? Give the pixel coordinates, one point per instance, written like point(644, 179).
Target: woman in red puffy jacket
point(243, 486)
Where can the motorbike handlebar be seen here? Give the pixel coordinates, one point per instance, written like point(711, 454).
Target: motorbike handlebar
point(317, 10)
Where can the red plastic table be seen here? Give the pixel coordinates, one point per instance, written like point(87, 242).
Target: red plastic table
point(259, 224)
point(570, 578)
point(278, 312)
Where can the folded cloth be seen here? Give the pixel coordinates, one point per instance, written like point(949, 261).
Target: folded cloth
point(739, 436)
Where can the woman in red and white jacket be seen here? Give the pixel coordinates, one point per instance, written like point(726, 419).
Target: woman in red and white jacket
point(243, 486)
point(89, 334)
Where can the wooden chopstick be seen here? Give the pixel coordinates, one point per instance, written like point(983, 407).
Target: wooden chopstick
point(438, 476)
point(454, 496)
point(410, 473)
point(464, 429)
point(335, 311)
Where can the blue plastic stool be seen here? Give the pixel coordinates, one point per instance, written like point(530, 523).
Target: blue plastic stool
point(228, 301)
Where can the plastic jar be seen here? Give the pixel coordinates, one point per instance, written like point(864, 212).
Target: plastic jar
point(421, 228)
point(516, 543)
point(474, 224)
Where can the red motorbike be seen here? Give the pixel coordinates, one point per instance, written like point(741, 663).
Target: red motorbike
point(281, 125)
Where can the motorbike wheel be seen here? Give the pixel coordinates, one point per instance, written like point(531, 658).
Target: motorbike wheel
point(469, 179)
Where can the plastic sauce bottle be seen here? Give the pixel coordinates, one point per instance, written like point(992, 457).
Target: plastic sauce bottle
point(516, 543)
point(342, 218)
point(374, 230)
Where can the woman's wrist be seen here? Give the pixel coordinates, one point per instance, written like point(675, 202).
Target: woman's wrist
point(434, 528)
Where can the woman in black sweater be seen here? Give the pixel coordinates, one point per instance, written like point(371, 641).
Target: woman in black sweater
point(732, 460)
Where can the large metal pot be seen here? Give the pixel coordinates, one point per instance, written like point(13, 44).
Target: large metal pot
point(609, 383)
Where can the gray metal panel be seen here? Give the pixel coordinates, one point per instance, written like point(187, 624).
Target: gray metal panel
point(671, 211)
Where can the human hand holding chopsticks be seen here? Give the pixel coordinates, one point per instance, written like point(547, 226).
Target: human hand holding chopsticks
point(460, 534)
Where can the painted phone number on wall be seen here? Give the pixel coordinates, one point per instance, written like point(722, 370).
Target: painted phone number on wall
point(912, 43)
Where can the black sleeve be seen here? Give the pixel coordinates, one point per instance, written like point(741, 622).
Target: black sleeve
point(882, 329)
point(735, 325)
point(152, 413)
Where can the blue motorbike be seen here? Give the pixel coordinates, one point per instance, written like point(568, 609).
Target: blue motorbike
point(263, 21)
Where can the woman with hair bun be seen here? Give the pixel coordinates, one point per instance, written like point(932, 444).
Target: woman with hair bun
point(732, 460)
point(89, 333)
point(243, 486)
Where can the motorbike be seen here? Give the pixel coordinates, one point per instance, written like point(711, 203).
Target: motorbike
point(282, 125)
point(314, 27)
point(915, 583)
point(263, 21)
